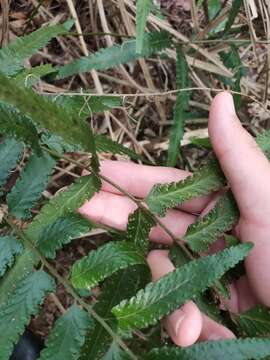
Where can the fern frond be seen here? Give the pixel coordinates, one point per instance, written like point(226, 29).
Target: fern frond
point(9, 248)
point(143, 8)
point(17, 312)
point(28, 189)
point(180, 108)
point(31, 77)
point(240, 349)
point(220, 219)
point(10, 152)
point(64, 203)
point(118, 54)
point(119, 286)
point(254, 322)
point(207, 179)
point(47, 114)
point(105, 144)
point(67, 336)
point(13, 56)
point(174, 289)
point(61, 232)
point(103, 262)
point(138, 229)
point(17, 126)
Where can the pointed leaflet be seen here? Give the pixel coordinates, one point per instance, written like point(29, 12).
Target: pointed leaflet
point(31, 77)
point(138, 229)
point(240, 349)
point(10, 152)
point(29, 187)
point(18, 126)
point(234, 11)
point(143, 8)
point(9, 248)
point(180, 108)
point(67, 336)
point(103, 262)
point(207, 179)
point(17, 312)
point(13, 56)
point(119, 286)
point(174, 289)
point(118, 54)
point(207, 229)
point(47, 114)
point(254, 322)
point(60, 232)
point(65, 202)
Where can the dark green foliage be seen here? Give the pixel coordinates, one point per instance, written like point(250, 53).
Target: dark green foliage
point(220, 219)
point(18, 126)
point(28, 189)
point(61, 232)
point(207, 179)
point(31, 77)
point(10, 152)
point(174, 289)
point(13, 56)
point(67, 336)
point(17, 312)
point(214, 350)
point(254, 322)
point(180, 108)
point(236, 5)
point(118, 54)
point(9, 248)
point(120, 286)
point(103, 262)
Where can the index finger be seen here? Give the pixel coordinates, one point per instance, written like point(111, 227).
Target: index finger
point(139, 179)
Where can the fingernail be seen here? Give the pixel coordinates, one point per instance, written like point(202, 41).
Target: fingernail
point(214, 337)
point(230, 103)
point(176, 320)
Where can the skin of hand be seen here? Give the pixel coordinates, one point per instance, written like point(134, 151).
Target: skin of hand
point(248, 174)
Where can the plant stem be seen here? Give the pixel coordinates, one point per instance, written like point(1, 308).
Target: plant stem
point(28, 243)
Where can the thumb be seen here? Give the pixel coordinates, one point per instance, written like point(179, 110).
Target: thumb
point(243, 163)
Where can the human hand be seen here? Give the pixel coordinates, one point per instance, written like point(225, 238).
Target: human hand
point(248, 173)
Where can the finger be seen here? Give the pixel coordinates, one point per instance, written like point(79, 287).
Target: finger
point(211, 330)
point(248, 172)
point(139, 179)
point(185, 324)
point(244, 164)
point(113, 210)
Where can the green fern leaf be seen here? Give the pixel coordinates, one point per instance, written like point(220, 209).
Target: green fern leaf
point(15, 125)
point(87, 105)
point(254, 322)
point(13, 56)
point(240, 349)
point(9, 248)
point(31, 77)
point(28, 189)
point(234, 11)
point(105, 144)
point(118, 54)
point(47, 114)
point(68, 335)
point(17, 312)
point(64, 203)
point(10, 152)
point(207, 179)
point(119, 286)
point(138, 229)
point(61, 232)
point(263, 140)
point(143, 8)
point(103, 262)
point(174, 289)
point(180, 108)
point(220, 219)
